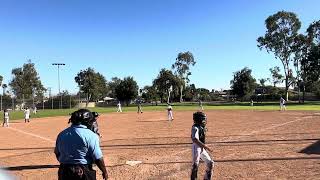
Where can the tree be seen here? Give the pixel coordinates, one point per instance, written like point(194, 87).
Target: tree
point(203, 94)
point(311, 70)
point(190, 92)
point(182, 68)
point(115, 81)
point(127, 90)
point(26, 82)
point(306, 54)
point(314, 33)
point(243, 84)
point(164, 81)
point(92, 83)
point(263, 81)
point(150, 93)
point(276, 77)
point(4, 88)
point(282, 29)
point(1, 79)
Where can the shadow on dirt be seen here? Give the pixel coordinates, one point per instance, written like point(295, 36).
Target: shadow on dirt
point(210, 137)
point(217, 143)
point(312, 149)
point(19, 168)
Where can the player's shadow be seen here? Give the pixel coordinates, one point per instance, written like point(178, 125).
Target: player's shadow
point(218, 143)
point(312, 149)
point(19, 168)
point(16, 122)
point(209, 137)
point(44, 166)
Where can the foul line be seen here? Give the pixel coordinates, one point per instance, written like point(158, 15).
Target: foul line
point(253, 132)
point(31, 134)
point(279, 125)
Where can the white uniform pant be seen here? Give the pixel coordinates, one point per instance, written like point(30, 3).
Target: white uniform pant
point(6, 122)
point(119, 109)
point(200, 153)
point(170, 116)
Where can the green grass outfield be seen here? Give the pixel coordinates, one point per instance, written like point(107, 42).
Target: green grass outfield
point(307, 106)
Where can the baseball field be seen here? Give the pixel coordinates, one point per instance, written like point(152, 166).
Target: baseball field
point(247, 144)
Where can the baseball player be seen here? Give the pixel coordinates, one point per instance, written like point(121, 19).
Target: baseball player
point(282, 104)
point(34, 110)
point(95, 126)
point(119, 107)
point(139, 106)
point(200, 105)
point(199, 148)
point(27, 115)
point(170, 115)
point(5, 118)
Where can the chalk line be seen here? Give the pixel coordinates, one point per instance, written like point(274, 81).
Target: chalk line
point(31, 134)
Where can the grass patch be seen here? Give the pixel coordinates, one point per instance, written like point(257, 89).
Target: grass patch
point(314, 106)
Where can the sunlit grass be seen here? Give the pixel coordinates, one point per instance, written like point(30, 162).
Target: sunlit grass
point(307, 106)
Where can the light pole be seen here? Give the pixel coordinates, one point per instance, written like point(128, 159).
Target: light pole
point(59, 64)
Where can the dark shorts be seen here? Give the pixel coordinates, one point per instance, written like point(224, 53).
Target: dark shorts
point(76, 172)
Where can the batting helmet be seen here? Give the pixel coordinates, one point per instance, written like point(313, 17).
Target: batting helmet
point(95, 114)
point(200, 118)
point(81, 116)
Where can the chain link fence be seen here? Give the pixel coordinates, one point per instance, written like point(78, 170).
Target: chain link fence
point(53, 102)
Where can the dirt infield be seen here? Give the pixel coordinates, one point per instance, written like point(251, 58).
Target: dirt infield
point(246, 145)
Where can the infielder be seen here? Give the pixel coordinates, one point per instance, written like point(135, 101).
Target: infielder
point(282, 104)
point(5, 118)
point(119, 107)
point(27, 115)
point(170, 115)
point(199, 148)
point(139, 106)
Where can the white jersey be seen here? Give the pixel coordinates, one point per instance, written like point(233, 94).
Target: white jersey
point(27, 113)
point(6, 115)
point(195, 135)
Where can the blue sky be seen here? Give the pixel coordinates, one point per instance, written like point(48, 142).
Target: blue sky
point(139, 37)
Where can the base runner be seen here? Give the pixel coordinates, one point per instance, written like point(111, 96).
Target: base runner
point(199, 148)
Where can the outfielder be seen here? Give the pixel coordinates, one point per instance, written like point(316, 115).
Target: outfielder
point(282, 104)
point(139, 106)
point(34, 110)
point(119, 107)
point(170, 115)
point(5, 118)
point(200, 105)
point(199, 148)
point(27, 115)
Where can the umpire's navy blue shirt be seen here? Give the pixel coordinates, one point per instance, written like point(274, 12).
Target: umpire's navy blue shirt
point(77, 145)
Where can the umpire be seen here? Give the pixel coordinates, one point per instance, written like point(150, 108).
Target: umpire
point(77, 148)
